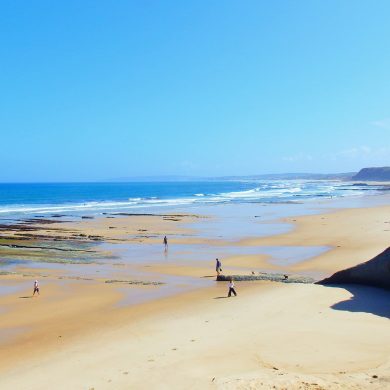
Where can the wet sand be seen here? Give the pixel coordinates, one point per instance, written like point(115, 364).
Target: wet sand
point(83, 332)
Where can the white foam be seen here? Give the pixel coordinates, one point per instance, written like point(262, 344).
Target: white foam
point(261, 191)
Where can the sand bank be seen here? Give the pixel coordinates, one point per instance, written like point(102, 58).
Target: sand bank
point(355, 236)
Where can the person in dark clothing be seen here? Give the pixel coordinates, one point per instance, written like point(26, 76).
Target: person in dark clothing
point(166, 242)
point(218, 266)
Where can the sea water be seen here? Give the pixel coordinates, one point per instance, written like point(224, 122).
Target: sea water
point(32, 199)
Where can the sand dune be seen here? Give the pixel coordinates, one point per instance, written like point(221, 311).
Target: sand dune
point(375, 272)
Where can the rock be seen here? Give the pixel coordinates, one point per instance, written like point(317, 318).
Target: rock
point(142, 282)
point(375, 272)
point(265, 276)
point(373, 174)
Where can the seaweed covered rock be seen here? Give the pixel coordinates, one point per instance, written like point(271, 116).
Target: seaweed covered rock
point(265, 276)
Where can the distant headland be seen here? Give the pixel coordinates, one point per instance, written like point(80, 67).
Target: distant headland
point(373, 174)
point(365, 174)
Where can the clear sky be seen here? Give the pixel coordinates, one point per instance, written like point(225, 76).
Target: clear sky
point(93, 90)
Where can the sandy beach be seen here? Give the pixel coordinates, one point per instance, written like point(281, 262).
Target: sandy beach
point(195, 195)
point(93, 328)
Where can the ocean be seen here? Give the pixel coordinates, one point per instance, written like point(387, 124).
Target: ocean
point(32, 199)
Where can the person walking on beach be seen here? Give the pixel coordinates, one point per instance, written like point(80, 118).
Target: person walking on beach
point(231, 288)
point(166, 242)
point(218, 266)
point(36, 287)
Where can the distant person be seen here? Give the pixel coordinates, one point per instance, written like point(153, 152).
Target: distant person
point(218, 266)
point(36, 287)
point(231, 288)
point(165, 242)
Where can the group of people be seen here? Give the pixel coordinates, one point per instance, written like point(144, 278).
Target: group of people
point(218, 268)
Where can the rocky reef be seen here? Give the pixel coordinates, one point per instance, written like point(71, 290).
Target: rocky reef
point(284, 278)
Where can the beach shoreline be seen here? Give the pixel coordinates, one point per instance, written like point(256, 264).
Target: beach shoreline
point(77, 309)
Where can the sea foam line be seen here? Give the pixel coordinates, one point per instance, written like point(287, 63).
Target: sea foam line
point(262, 192)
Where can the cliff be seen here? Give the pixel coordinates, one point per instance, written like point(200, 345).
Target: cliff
point(373, 174)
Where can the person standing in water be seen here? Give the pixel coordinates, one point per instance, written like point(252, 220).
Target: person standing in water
point(231, 288)
point(166, 242)
point(218, 266)
point(36, 287)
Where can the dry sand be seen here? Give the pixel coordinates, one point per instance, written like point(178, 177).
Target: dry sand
point(282, 335)
point(76, 336)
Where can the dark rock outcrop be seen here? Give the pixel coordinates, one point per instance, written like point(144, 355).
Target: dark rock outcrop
point(375, 272)
point(373, 174)
point(264, 276)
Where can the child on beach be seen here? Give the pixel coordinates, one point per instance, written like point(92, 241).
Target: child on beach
point(36, 287)
point(231, 288)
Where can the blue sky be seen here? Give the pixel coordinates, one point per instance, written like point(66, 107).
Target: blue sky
point(93, 90)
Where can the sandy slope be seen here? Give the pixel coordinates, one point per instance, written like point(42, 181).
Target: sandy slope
point(284, 335)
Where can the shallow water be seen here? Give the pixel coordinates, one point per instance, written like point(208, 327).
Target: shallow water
point(227, 224)
point(172, 285)
point(10, 287)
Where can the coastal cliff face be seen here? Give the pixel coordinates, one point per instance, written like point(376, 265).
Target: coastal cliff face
point(373, 174)
point(375, 272)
